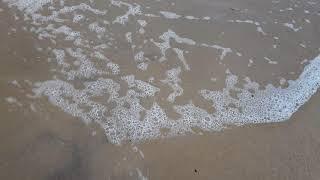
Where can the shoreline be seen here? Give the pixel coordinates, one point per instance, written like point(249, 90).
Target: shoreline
point(41, 141)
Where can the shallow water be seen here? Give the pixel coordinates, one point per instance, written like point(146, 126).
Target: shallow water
point(147, 70)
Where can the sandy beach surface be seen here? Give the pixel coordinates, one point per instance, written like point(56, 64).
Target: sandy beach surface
point(159, 90)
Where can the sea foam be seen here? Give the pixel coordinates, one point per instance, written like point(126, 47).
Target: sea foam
point(90, 84)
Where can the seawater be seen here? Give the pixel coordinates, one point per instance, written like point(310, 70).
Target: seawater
point(140, 68)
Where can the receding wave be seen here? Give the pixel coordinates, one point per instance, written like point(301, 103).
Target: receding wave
point(139, 71)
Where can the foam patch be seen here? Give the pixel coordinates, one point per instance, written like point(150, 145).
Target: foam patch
point(112, 64)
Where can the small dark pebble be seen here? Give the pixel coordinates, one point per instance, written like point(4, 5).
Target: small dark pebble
point(195, 170)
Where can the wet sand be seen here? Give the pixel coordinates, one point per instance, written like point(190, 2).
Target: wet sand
point(288, 150)
point(50, 144)
point(53, 145)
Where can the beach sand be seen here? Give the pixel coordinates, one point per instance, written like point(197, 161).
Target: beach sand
point(40, 141)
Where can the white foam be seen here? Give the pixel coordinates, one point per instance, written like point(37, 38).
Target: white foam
point(270, 61)
point(180, 55)
point(165, 45)
point(141, 31)
point(143, 66)
point(28, 6)
point(259, 29)
point(173, 81)
point(239, 54)
point(142, 23)
point(303, 45)
point(191, 18)
point(304, 61)
point(77, 18)
point(115, 69)
point(224, 51)
point(170, 15)
point(95, 27)
point(133, 10)
point(282, 81)
point(80, 45)
point(139, 57)
point(13, 100)
point(15, 83)
point(33, 108)
point(140, 175)
point(250, 63)
point(270, 105)
point(291, 26)
point(257, 24)
point(125, 122)
point(129, 37)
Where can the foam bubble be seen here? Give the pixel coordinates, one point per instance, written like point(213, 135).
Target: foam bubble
point(173, 81)
point(142, 23)
point(96, 28)
point(270, 105)
point(77, 18)
point(29, 6)
point(251, 105)
point(133, 10)
point(129, 37)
